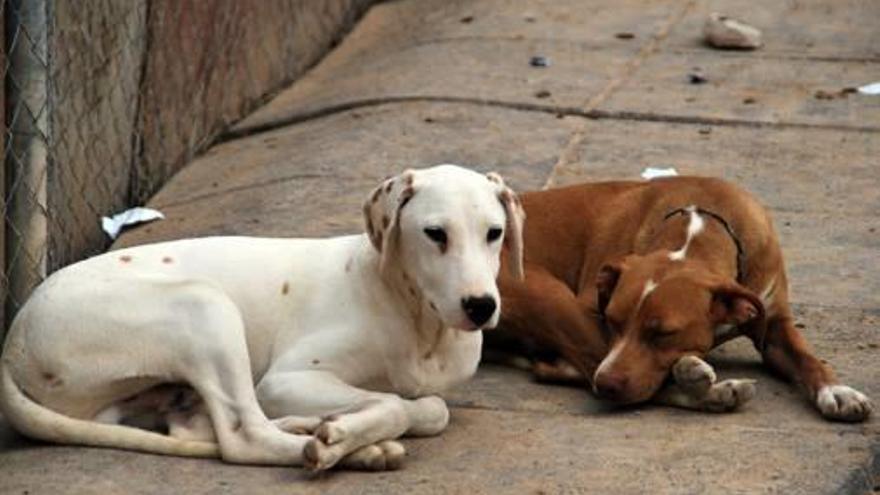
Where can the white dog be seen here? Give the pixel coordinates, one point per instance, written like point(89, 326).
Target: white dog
point(347, 339)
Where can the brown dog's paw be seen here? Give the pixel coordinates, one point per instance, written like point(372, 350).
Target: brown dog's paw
point(693, 375)
point(729, 395)
point(843, 403)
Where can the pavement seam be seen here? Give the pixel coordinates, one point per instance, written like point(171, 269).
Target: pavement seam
point(571, 151)
point(559, 111)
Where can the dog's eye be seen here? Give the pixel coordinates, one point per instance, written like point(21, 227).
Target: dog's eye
point(662, 337)
point(494, 234)
point(437, 235)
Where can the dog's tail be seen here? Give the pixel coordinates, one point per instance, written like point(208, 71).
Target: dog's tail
point(37, 421)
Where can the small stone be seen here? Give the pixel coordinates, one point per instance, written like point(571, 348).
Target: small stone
point(624, 36)
point(539, 61)
point(696, 76)
point(799, 325)
point(542, 94)
point(467, 19)
point(724, 32)
point(749, 100)
point(705, 130)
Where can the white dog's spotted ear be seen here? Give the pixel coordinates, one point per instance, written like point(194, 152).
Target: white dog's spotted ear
point(513, 237)
point(382, 213)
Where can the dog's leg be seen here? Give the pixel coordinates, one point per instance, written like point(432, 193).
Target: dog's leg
point(694, 386)
point(543, 310)
point(786, 351)
point(353, 419)
point(213, 359)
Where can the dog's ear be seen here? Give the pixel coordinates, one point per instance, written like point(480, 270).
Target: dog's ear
point(382, 213)
point(733, 304)
point(516, 216)
point(606, 281)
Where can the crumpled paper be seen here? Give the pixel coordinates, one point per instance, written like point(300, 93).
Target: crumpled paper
point(870, 89)
point(655, 172)
point(114, 225)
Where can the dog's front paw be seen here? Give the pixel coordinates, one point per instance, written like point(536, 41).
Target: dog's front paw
point(693, 375)
point(330, 433)
point(729, 395)
point(383, 456)
point(297, 425)
point(843, 403)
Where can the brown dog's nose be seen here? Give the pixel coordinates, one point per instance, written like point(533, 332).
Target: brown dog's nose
point(611, 386)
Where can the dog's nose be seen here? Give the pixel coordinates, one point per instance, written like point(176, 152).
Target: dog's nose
point(479, 309)
point(611, 386)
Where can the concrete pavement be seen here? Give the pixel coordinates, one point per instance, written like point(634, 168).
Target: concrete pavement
point(420, 82)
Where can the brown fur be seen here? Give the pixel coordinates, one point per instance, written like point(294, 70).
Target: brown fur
point(590, 249)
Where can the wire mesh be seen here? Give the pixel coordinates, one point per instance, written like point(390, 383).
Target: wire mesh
point(104, 100)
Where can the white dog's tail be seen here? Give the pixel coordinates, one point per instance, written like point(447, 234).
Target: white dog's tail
point(37, 421)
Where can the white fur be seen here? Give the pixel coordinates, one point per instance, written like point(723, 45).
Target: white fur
point(650, 286)
point(314, 323)
point(695, 226)
point(768, 292)
point(609, 361)
point(843, 402)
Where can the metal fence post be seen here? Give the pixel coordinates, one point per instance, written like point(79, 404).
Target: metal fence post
point(27, 155)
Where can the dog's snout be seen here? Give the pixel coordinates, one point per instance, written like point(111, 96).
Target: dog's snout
point(479, 309)
point(610, 386)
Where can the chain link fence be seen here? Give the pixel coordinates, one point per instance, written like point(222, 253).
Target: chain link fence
point(104, 100)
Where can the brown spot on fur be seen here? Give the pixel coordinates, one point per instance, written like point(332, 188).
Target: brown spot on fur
point(316, 361)
point(412, 291)
point(285, 288)
point(388, 186)
point(405, 276)
point(167, 260)
point(408, 180)
point(385, 221)
point(125, 258)
point(432, 305)
point(53, 379)
point(376, 194)
point(236, 426)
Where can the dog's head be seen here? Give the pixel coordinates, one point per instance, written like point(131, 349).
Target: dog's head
point(657, 310)
point(443, 228)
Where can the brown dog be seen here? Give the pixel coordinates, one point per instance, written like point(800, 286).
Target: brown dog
point(629, 281)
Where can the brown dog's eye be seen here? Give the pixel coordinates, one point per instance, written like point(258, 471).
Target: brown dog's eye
point(494, 234)
point(436, 234)
point(661, 337)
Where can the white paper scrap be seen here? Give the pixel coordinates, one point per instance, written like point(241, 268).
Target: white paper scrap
point(114, 225)
point(654, 172)
point(870, 89)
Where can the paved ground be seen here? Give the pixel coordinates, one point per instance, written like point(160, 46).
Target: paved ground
point(426, 81)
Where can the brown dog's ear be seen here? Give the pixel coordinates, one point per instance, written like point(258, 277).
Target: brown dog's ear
point(382, 213)
point(513, 236)
point(733, 304)
point(606, 281)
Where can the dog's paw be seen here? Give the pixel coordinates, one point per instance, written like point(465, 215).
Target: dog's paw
point(693, 375)
point(318, 456)
point(297, 425)
point(330, 432)
point(728, 395)
point(383, 456)
point(843, 403)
